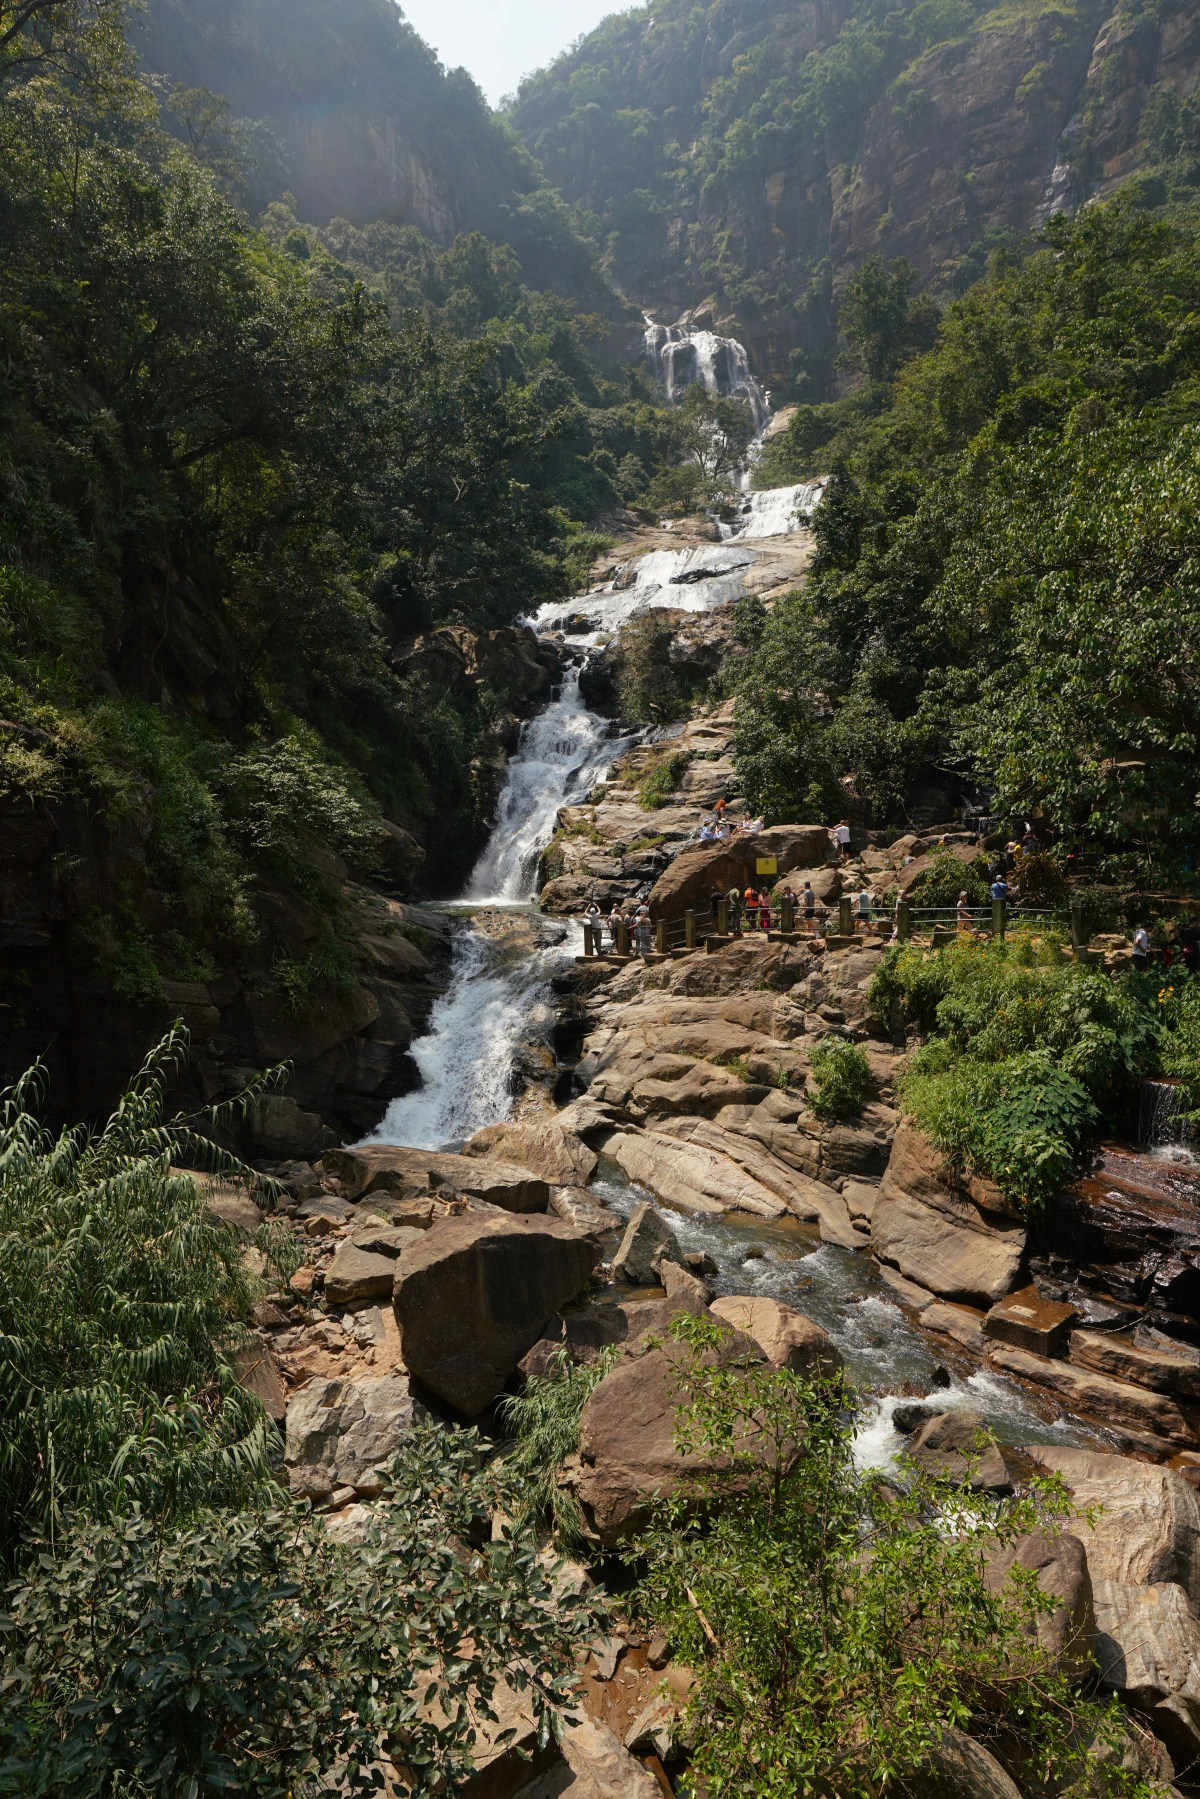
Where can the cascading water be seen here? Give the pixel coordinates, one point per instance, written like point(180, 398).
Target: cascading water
point(682, 359)
point(1163, 1127)
point(562, 754)
point(774, 511)
point(499, 987)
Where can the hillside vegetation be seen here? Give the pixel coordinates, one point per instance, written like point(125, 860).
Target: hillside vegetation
point(1004, 587)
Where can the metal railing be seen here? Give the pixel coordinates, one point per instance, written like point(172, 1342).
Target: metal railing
point(902, 922)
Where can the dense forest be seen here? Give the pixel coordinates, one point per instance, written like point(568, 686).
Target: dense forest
point(1004, 580)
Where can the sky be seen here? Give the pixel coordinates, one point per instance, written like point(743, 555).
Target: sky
point(501, 40)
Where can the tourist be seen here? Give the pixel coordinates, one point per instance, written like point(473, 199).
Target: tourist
point(614, 925)
point(643, 936)
point(809, 901)
point(1000, 886)
point(714, 906)
point(593, 921)
point(1141, 947)
point(734, 897)
point(840, 839)
point(753, 827)
point(764, 909)
point(1010, 854)
point(723, 831)
point(719, 811)
point(707, 834)
point(863, 903)
point(750, 897)
point(963, 914)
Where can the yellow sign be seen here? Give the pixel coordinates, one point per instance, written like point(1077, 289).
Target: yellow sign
point(766, 865)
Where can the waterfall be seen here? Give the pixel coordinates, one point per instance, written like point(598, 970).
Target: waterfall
point(774, 511)
point(1162, 1122)
point(499, 989)
point(562, 754)
point(682, 358)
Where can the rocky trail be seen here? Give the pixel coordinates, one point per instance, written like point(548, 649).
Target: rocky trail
point(597, 1144)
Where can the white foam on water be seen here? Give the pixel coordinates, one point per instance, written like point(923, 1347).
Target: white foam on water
point(561, 756)
point(774, 511)
point(693, 580)
point(682, 359)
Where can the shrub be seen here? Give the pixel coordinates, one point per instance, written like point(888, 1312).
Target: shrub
point(544, 1419)
point(843, 1076)
point(1041, 881)
point(946, 877)
point(838, 1621)
point(659, 783)
point(121, 1298)
point(251, 1653)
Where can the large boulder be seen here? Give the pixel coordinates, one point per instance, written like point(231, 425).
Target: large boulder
point(1060, 1563)
point(1146, 1525)
point(595, 1765)
point(544, 1146)
point(648, 1238)
point(954, 1446)
point(1148, 1651)
point(688, 882)
point(691, 1177)
point(394, 1168)
point(786, 1337)
point(342, 1433)
point(1157, 1365)
point(474, 1293)
point(938, 1234)
point(627, 1452)
point(960, 1768)
point(358, 1277)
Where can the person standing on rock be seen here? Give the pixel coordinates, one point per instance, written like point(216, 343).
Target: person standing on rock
point(714, 906)
point(863, 903)
point(962, 913)
point(764, 909)
point(614, 926)
point(642, 934)
point(840, 837)
point(593, 921)
point(734, 897)
point(750, 898)
point(809, 900)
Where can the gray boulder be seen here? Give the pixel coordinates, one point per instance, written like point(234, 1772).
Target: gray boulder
point(356, 1277)
point(473, 1294)
point(1060, 1562)
point(648, 1238)
point(949, 1448)
point(342, 1433)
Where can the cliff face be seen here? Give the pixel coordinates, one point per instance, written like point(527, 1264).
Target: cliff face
point(744, 160)
point(369, 124)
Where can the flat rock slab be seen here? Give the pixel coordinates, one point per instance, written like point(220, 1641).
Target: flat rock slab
point(545, 1147)
point(412, 1172)
point(647, 1239)
point(1099, 1396)
point(690, 1177)
point(963, 1323)
point(926, 1225)
point(475, 1293)
point(1156, 1367)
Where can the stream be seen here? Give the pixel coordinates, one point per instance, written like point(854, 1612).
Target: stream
point(499, 996)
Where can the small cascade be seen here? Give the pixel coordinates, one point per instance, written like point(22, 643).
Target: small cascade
point(1162, 1120)
point(774, 511)
point(562, 754)
point(681, 358)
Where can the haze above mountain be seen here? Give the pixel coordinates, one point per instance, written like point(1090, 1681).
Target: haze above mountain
point(499, 42)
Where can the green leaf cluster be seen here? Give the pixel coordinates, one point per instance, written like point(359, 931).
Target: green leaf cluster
point(843, 1077)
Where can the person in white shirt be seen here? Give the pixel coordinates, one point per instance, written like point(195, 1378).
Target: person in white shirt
point(1141, 947)
point(753, 827)
point(841, 840)
point(963, 912)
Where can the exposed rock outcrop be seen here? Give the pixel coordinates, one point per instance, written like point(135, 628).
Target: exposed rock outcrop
point(926, 1224)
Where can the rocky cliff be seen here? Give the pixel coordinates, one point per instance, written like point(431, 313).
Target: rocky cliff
point(744, 160)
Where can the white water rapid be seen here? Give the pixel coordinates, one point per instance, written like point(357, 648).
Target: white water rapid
point(774, 511)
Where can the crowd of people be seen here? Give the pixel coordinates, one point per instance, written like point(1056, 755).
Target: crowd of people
point(753, 908)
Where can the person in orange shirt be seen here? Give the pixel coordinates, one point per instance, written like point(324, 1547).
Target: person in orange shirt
point(751, 899)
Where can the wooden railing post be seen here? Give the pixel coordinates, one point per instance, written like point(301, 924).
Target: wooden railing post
point(787, 923)
point(589, 947)
point(623, 937)
point(660, 937)
point(845, 917)
point(998, 916)
point(903, 921)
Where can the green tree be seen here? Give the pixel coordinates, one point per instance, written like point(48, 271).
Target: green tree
point(882, 320)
